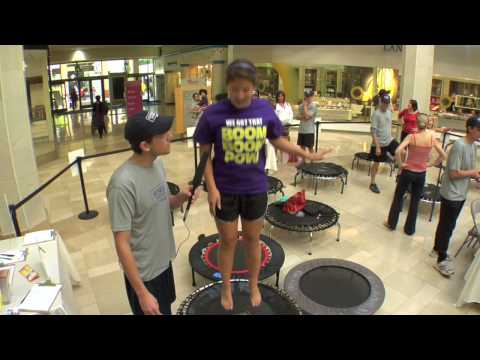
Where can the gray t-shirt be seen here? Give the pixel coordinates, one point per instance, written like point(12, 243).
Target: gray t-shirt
point(308, 126)
point(462, 156)
point(138, 200)
point(382, 126)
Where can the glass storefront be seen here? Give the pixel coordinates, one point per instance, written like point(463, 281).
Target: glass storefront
point(74, 86)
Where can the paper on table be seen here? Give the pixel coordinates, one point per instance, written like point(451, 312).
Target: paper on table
point(40, 298)
point(7, 259)
point(38, 237)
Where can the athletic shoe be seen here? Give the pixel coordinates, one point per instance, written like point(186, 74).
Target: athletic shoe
point(375, 188)
point(445, 268)
point(434, 254)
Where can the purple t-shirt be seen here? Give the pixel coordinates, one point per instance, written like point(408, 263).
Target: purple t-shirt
point(239, 138)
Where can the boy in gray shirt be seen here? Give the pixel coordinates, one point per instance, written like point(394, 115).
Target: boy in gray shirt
point(383, 143)
point(307, 114)
point(139, 203)
point(461, 166)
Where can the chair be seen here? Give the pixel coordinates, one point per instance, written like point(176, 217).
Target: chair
point(473, 233)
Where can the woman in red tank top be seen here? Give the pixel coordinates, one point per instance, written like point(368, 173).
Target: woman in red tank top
point(408, 119)
point(415, 149)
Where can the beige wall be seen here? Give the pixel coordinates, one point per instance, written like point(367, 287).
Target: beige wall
point(450, 61)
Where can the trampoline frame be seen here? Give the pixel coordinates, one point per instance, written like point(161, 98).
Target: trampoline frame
point(360, 156)
point(182, 309)
point(343, 178)
point(310, 232)
point(372, 304)
point(282, 186)
point(236, 276)
point(174, 190)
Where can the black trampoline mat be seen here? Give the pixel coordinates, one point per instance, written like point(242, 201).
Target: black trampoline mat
point(335, 286)
point(239, 263)
point(326, 218)
point(207, 302)
point(323, 169)
point(203, 258)
point(429, 192)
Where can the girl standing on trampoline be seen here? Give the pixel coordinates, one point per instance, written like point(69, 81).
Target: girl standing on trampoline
point(237, 129)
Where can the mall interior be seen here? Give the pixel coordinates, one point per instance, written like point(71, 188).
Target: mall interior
point(54, 213)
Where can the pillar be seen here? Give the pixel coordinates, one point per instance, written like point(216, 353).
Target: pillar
point(136, 66)
point(301, 81)
point(184, 71)
point(19, 173)
point(218, 78)
point(230, 53)
point(417, 75)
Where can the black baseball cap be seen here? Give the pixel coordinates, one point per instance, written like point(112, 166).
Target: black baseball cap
point(309, 93)
point(473, 122)
point(146, 124)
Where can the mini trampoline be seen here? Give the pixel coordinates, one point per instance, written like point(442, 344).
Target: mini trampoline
point(430, 192)
point(206, 301)
point(174, 190)
point(203, 258)
point(323, 171)
point(335, 287)
point(274, 186)
point(366, 157)
point(326, 217)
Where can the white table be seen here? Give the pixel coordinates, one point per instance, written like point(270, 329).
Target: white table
point(471, 291)
point(54, 261)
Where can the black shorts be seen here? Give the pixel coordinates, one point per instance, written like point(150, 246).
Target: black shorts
point(248, 207)
point(306, 140)
point(162, 288)
point(390, 148)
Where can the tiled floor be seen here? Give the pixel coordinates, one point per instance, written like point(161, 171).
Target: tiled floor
point(402, 262)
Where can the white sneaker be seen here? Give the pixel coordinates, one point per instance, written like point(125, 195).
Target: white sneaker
point(434, 254)
point(445, 268)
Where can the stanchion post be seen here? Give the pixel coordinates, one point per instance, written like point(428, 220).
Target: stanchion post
point(13, 215)
point(87, 214)
point(317, 126)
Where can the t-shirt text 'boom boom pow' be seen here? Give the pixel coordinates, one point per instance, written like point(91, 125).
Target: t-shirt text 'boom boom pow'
point(242, 140)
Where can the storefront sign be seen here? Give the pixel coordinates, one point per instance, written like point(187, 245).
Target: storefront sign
point(392, 48)
point(134, 98)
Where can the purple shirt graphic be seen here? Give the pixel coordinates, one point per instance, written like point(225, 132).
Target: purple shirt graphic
point(239, 137)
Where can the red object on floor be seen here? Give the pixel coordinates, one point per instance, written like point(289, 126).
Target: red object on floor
point(292, 158)
point(296, 203)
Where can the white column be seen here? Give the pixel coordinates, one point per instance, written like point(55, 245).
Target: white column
point(218, 78)
point(18, 174)
point(417, 75)
point(230, 53)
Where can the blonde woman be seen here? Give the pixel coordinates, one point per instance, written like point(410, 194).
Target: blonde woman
point(415, 149)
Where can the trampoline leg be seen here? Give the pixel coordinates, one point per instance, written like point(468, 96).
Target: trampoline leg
point(295, 179)
point(193, 278)
point(316, 185)
point(353, 162)
point(343, 185)
point(346, 179)
point(338, 231)
point(311, 244)
point(278, 278)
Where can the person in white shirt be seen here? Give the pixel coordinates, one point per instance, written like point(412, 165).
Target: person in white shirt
point(284, 112)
